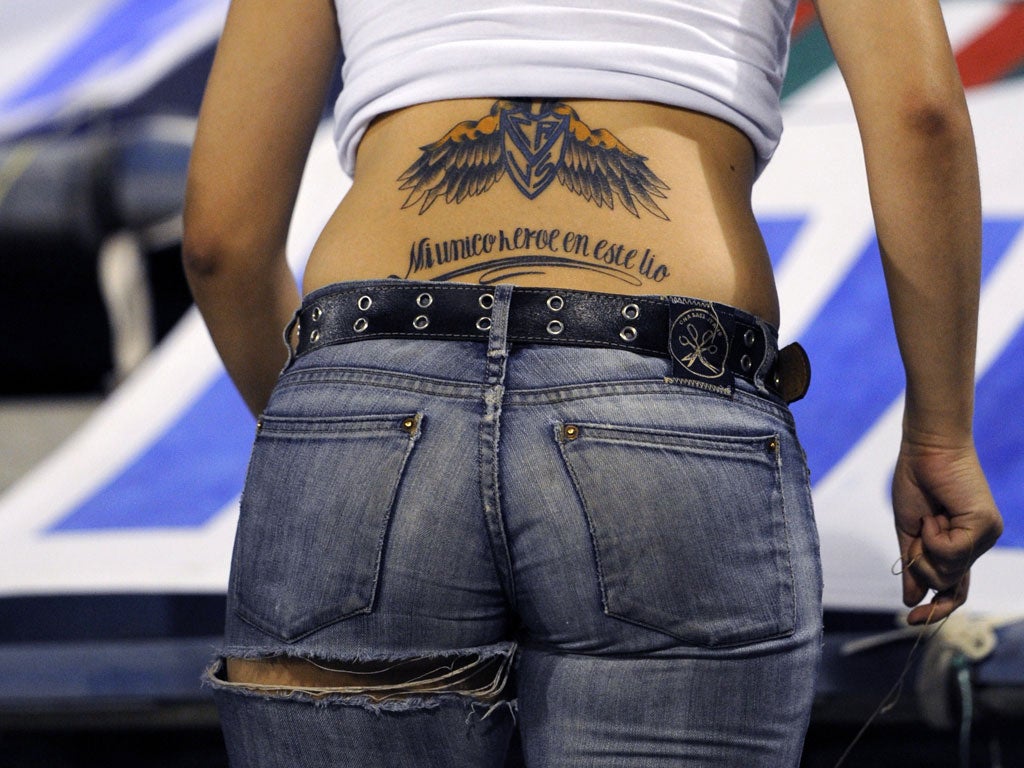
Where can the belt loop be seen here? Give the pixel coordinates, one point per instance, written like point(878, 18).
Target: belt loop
point(497, 339)
point(762, 376)
point(293, 324)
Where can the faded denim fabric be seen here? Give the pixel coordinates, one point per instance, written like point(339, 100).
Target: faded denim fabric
point(642, 552)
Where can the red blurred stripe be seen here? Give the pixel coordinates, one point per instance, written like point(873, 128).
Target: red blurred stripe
point(804, 16)
point(996, 52)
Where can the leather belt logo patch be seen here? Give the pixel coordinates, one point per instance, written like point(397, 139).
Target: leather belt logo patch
point(699, 344)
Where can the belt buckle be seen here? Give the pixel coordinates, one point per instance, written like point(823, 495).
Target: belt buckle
point(791, 376)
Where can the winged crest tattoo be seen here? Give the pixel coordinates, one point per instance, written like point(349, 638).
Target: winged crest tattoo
point(535, 142)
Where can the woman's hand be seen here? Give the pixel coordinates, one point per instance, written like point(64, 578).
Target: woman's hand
point(945, 519)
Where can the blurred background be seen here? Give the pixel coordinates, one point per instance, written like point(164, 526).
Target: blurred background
point(123, 445)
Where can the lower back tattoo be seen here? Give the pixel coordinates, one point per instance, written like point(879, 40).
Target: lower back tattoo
point(535, 142)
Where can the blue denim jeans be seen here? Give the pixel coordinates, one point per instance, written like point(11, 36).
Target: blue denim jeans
point(632, 561)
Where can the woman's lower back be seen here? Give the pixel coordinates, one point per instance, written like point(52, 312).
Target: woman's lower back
point(622, 197)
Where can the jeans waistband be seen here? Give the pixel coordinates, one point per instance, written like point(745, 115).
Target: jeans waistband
point(710, 344)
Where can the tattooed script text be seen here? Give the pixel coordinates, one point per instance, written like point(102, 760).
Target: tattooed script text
point(533, 251)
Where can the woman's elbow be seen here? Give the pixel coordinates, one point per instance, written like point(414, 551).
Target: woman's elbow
point(212, 247)
point(199, 259)
point(205, 264)
point(202, 241)
point(223, 240)
point(937, 118)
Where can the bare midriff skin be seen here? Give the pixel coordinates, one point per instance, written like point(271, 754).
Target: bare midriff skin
point(704, 242)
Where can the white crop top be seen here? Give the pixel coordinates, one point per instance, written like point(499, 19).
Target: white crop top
point(726, 58)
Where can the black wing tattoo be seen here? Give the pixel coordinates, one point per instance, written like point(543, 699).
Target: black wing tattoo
point(466, 161)
point(599, 167)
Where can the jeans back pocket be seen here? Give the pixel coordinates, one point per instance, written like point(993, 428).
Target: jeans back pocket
point(314, 519)
point(689, 530)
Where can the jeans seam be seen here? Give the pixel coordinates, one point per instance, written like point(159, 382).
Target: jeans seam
point(780, 475)
point(489, 437)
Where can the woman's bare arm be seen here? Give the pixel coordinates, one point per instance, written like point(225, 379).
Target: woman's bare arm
point(262, 104)
point(923, 181)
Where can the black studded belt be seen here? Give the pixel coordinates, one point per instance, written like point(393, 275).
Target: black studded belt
point(709, 343)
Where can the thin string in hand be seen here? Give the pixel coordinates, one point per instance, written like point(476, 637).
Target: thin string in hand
point(898, 568)
point(892, 697)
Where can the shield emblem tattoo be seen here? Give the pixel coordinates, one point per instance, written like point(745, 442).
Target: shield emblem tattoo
point(533, 142)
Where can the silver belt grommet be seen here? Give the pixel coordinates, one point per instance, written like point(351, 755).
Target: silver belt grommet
point(486, 301)
point(316, 314)
point(483, 324)
point(631, 311)
point(628, 333)
point(360, 325)
point(555, 303)
point(424, 300)
point(555, 327)
point(420, 322)
point(314, 336)
point(749, 338)
point(746, 363)
point(364, 303)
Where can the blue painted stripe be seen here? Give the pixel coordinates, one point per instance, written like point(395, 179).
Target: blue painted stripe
point(999, 433)
point(779, 233)
point(117, 38)
point(184, 478)
point(855, 362)
point(855, 366)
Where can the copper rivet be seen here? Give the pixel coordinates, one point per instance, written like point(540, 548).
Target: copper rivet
point(773, 444)
point(409, 423)
point(571, 432)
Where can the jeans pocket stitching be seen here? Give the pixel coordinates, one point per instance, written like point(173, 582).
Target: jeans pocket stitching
point(777, 558)
point(258, 608)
